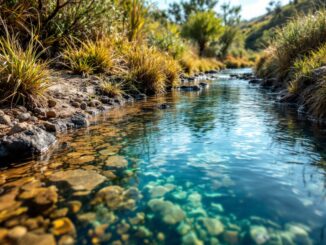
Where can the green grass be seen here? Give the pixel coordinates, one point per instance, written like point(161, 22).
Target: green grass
point(23, 76)
point(297, 39)
point(304, 68)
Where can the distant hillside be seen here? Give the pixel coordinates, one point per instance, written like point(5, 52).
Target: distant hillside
point(259, 30)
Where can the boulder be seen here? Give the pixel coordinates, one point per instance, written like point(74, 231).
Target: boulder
point(33, 141)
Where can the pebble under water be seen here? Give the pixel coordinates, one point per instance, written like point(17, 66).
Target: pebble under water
point(224, 165)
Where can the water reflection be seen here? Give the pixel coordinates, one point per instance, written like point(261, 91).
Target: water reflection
point(224, 165)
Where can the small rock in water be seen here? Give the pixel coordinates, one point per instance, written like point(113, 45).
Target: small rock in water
point(117, 162)
point(195, 199)
point(17, 232)
point(66, 240)
point(37, 239)
point(191, 239)
point(213, 226)
point(63, 226)
point(231, 237)
point(75, 206)
point(112, 196)
point(79, 179)
point(183, 228)
point(259, 234)
point(158, 191)
point(169, 212)
point(143, 232)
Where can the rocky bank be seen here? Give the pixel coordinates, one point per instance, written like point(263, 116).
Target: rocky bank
point(71, 102)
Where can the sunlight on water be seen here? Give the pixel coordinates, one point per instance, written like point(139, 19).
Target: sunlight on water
point(222, 166)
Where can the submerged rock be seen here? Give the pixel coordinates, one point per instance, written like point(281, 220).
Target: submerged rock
point(213, 226)
point(116, 162)
point(79, 180)
point(170, 213)
point(259, 234)
point(112, 196)
point(158, 191)
point(63, 226)
point(191, 239)
point(37, 239)
point(33, 141)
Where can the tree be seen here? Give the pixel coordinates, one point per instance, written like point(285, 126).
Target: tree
point(274, 6)
point(181, 11)
point(203, 27)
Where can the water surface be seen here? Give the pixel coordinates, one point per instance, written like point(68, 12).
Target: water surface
point(222, 166)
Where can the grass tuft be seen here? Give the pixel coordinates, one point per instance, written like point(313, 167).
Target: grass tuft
point(23, 77)
point(112, 89)
point(90, 58)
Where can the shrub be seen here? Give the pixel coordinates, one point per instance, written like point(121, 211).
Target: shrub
point(112, 89)
point(145, 72)
point(90, 57)
point(172, 71)
point(297, 39)
point(203, 27)
point(53, 20)
point(23, 77)
point(167, 39)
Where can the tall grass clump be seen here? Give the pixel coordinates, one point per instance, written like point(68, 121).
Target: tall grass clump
point(23, 76)
point(150, 71)
point(112, 89)
point(89, 58)
point(297, 39)
point(296, 61)
point(304, 68)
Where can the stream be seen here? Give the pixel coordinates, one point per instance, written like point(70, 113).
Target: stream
point(225, 165)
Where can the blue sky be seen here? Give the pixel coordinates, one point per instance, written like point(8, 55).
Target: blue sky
point(250, 8)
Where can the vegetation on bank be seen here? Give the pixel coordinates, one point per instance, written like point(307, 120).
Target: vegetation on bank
point(259, 31)
point(295, 61)
point(133, 46)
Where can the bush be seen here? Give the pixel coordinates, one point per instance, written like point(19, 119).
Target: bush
point(54, 20)
point(23, 77)
point(203, 27)
point(90, 58)
point(167, 39)
point(297, 39)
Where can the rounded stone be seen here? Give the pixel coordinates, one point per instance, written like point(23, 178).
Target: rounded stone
point(17, 232)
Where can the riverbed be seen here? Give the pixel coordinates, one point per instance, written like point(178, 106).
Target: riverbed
point(225, 165)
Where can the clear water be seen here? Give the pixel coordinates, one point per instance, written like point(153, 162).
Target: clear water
point(227, 154)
